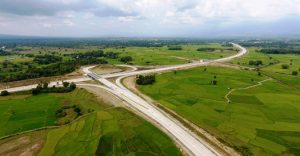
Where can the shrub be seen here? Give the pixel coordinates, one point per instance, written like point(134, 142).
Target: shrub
point(66, 84)
point(244, 150)
point(295, 73)
point(207, 49)
point(72, 86)
point(214, 82)
point(126, 59)
point(4, 93)
point(67, 87)
point(256, 63)
point(285, 66)
point(175, 48)
point(145, 80)
point(60, 113)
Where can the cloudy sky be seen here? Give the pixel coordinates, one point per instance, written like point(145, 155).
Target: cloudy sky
point(150, 18)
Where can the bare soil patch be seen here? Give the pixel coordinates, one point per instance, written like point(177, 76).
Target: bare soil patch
point(28, 144)
point(108, 69)
point(104, 96)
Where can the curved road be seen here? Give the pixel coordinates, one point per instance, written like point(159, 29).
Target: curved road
point(192, 143)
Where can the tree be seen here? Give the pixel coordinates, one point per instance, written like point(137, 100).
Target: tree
point(285, 66)
point(251, 62)
point(35, 91)
point(72, 86)
point(45, 85)
point(295, 73)
point(175, 48)
point(66, 84)
point(256, 63)
point(145, 80)
point(259, 73)
point(126, 59)
point(4, 93)
point(214, 82)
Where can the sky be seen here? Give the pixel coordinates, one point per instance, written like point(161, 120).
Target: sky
point(150, 18)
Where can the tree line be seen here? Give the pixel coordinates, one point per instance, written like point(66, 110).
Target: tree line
point(52, 65)
point(280, 51)
point(44, 88)
point(145, 80)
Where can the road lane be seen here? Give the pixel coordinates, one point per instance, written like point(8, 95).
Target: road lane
point(189, 140)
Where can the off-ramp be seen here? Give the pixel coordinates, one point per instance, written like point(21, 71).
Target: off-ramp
point(193, 144)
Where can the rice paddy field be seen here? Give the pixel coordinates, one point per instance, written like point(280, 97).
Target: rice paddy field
point(272, 65)
point(111, 132)
point(21, 114)
point(140, 55)
point(101, 130)
point(164, 56)
point(264, 119)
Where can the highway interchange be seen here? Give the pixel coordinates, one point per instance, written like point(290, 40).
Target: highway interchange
point(188, 140)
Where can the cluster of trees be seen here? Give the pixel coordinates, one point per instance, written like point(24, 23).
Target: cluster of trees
point(4, 53)
point(126, 59)
point(285, 66)
point(145, 80)
point(60, 113)
point(214, 81)
point(47, 59)
point(175, 48)
point(44, 88)
point(244, 150)
point(15, 42)
point(93, 54)
point(280, 51)
point(29, 70)
point(255, 63)
point(295, 73)
point(4, 93)
point(208, 49)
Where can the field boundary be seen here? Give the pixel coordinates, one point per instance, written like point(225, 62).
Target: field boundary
point(44, 128)
point(245, 88)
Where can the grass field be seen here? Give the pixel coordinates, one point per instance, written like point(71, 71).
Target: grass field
point(253, 55)
point(292, 60)
point(163, 56)
point(274, 69)
point(109, 132)
point(265, 119)
point(28, 113)
point(22, 113)
point(103, 130)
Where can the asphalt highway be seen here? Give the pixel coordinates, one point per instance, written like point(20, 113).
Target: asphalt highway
point(192, 143)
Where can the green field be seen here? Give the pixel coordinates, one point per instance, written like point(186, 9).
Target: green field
point(265, 119)
point(272, 65)
point(103, 129)
point(28, 113)
point(109, 132)
point(163, 56)
point(23, 112)
point(254, 55)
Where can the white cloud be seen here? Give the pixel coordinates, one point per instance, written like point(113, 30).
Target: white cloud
point(143, 16)
point(47, 25)
point(68, 22)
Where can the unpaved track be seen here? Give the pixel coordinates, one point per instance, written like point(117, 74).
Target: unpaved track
point(192, 143)
point(256, 85)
